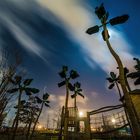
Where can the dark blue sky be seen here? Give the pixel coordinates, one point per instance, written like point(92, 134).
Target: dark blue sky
point(131, 28)
point(49, 38)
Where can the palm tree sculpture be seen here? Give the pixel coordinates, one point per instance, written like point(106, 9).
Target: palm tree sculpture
point(20, 86)
point(114, 80)
point(43, 101)
point(103, 17)
point(76, 88)
point(67, 77)
point(126, 72)
point(136, 75)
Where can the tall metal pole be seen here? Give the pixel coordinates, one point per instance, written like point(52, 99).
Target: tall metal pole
point(128, 101)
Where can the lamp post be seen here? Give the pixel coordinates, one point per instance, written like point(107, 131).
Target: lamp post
point(103, 16)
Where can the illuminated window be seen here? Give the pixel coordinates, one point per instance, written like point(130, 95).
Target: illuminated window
point(71, 129)
point(82, 126)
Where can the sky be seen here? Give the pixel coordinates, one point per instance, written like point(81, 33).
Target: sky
point(51, 33)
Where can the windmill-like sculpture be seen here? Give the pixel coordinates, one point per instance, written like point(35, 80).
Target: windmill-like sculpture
point(67, 76)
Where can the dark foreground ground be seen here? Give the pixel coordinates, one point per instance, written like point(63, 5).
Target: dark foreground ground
point(55, 137)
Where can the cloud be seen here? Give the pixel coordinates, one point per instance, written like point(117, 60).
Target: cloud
point(22, 28)
point(82, 100)
point(23, 38)
point(77, 19)
point(12, 23)
point(94, 94)
point(52, 98)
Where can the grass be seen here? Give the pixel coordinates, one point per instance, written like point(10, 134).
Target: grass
point(37, 137)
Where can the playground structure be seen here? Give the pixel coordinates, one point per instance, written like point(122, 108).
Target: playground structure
point(109, 122)
point(78, 127)
point(106, 122)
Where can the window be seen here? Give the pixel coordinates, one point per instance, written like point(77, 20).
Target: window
point(82, 126)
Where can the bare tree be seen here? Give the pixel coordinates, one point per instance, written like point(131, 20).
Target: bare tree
point(7, 71)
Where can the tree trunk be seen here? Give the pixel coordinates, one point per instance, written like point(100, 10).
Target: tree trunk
point(127, 84)
point(17, 116)
point(61, 125)
point(37, 120)
point(66, 111)
point(129, 89)
point(75, 102)
point(123, 105)
point(1, 113)
point(118, 89)
point(25, 128)
point(128, 102)
point(28, 131)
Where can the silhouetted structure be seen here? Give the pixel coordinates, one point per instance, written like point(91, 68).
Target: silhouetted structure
point(77, 126)
point(103, 17)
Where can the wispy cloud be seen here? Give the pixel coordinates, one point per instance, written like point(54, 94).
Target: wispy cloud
point(24, 39)
point(60, 100)
point(16, 16)
point(77, 19)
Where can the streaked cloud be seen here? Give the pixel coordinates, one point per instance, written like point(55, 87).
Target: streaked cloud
point(60, 100)
point(77, 19)
point(19, 19)
point(23, 38)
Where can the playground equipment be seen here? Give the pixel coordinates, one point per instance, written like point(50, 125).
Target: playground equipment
point(106, 122)
point(109, 122)
point(78, 127)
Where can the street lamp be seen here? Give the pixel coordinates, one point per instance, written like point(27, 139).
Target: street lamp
point(39, 127)
point(113, 120)
point(81, 114)
point(103, 16)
